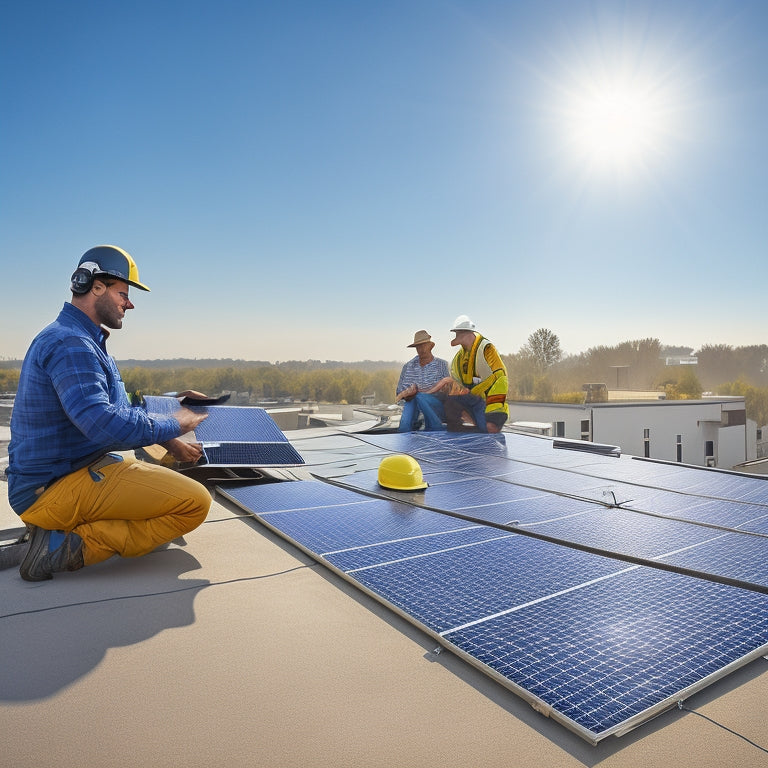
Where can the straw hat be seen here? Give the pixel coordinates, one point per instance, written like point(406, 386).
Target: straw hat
point(420, 337)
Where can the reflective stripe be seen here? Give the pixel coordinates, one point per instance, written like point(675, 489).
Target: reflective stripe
point(477, 365)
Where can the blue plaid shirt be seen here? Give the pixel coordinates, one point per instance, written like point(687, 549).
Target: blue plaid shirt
point(424, 377)
point(71, 407)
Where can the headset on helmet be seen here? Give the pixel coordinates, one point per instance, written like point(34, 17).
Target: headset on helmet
point(106, 260)
point(82, 278)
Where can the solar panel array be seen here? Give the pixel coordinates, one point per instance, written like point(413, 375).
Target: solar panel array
point(525, 561)
point(234, 436)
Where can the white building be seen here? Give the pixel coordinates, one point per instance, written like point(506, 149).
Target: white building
point(709, 432)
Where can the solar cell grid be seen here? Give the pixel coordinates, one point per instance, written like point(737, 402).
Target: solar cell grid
point(277, 497)
point(603, 643)
point(235, 436)
point(740, 557)
point(250, 454)
point(726, 514)
point(756, 526)
point(513, 448)
point(649, 498)
point(522, 512)
point(617, 532)
point(356, 524)
point(622, 532)
point(416, 546)
point(438, 476)
point(615, 654)
point(447, 589)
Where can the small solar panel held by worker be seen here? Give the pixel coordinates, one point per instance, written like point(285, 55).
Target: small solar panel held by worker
point(234, 436)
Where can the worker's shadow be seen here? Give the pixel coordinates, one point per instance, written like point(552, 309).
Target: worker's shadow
point(67, 630)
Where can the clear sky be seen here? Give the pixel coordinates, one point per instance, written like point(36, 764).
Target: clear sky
point(319, 180)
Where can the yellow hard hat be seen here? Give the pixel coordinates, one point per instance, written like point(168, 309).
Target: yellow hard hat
point(401, 473)
point(106, 260)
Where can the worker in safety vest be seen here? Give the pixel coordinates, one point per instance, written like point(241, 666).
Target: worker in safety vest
point(478, 384)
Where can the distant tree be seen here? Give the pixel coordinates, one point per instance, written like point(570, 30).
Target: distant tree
point(756, 402)
point(642, 357)
point(755, 399)
point(383, 385)
point(687, 386)
point(542, 390)
point(717, 363)
point(543, 348)
point(9, 380)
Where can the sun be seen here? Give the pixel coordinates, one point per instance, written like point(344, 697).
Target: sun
point(617, 94)
point(616, 124)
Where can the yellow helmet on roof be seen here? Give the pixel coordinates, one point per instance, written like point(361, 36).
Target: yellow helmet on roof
point(401, 473)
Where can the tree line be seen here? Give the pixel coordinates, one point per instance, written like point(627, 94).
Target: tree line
point(269, 382)
point(539, 371)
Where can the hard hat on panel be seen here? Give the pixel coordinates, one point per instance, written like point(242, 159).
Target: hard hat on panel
point(401, 472)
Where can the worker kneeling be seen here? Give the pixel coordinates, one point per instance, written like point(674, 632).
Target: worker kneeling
point(83, 501)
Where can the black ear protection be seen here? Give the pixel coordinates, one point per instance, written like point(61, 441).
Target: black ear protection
point(82, 278)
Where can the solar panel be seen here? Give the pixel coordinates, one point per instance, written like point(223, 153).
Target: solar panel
point(601, 588)
point(234, 436)
point(721, 554)
point(598, 644)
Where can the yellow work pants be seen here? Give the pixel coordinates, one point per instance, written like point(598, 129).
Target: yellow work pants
point(126, 508)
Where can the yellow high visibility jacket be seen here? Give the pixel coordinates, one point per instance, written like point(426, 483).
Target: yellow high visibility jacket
point(481, 370)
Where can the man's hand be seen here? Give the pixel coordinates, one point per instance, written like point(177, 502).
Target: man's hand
point(449, 386)
point(188, 420)
point(182, 451)
point(408, 393)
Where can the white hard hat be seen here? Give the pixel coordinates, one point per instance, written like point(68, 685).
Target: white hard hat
point(463, 323)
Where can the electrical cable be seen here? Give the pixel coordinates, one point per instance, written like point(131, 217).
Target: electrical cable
point(720, 725)
point(157, 594)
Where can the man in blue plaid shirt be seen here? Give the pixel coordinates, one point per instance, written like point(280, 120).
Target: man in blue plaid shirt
point(81, 501)
point(418, 375)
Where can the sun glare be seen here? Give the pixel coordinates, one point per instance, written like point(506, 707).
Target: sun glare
point(616, 125)
point(615, 95)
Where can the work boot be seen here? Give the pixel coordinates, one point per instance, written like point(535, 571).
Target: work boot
point(40, 563)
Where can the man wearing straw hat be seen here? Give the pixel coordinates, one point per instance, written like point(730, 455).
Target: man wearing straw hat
point(418, 375)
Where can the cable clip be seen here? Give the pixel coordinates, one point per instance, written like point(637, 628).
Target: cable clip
point(613, 495)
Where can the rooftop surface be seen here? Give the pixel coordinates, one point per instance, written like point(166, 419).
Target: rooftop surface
point(235, 648)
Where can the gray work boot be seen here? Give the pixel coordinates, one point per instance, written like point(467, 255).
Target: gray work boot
point(40, 564)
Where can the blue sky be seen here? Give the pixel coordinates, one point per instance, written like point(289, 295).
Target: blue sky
point(321, 179)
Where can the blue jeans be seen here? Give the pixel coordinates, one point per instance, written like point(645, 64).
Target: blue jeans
point(474, 405)
point(430, 406)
